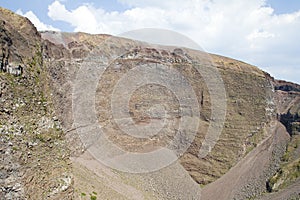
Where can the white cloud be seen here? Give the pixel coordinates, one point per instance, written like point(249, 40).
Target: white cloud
point(246, 30)
point(260, 34)
point(83, 18)
point(35, 20)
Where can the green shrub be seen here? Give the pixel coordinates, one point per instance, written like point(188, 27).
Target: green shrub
point(93, 197)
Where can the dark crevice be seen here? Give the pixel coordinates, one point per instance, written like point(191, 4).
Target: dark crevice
point(287, 88)
point(288, 119)
point(269, 187)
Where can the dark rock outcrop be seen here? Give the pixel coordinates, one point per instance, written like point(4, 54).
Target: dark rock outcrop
point(36, 121)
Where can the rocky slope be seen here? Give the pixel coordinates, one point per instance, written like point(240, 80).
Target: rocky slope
point(42, 156)
point(34, 159)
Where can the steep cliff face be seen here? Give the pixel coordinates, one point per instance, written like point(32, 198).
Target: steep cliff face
point(33, 155)
point(253, 104)
point(288, 105)
point(20, 41)
point(250, 105)
point(288, 112)
point(253, 155)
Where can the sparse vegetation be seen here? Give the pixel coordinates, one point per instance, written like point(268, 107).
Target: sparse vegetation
point(35, 140)
point(93, 197)
point(290, 168)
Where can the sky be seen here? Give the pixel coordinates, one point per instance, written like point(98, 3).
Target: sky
point(264, 33)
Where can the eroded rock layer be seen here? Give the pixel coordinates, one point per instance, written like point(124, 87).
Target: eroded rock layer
point(38, 137)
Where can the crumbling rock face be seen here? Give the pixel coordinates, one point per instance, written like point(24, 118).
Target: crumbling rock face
point(288, 112)
point(252, 104)
point(248, 112)
point(20, 41)
point(288, 103)
point(38, 136)
point(34, 158)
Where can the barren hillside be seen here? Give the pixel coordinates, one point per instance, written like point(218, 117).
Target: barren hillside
point(44, 155)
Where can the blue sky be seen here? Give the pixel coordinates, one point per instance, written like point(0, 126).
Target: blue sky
point(40, 8)
point(264, 33)
point(287, 6)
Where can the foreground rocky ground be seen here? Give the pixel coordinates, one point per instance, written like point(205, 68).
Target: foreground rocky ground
point(256, 157)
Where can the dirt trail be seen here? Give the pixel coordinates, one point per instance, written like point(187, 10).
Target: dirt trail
point(249, 176)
